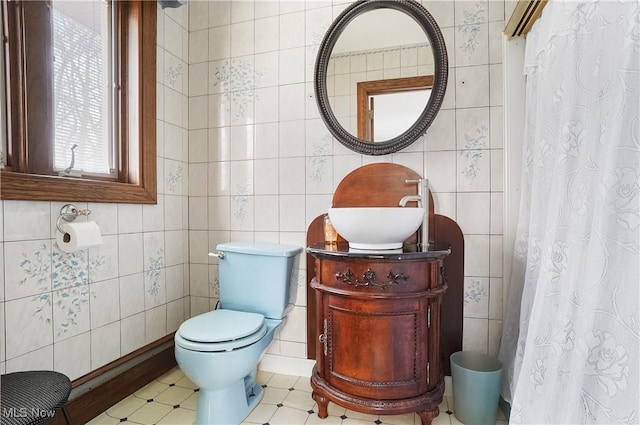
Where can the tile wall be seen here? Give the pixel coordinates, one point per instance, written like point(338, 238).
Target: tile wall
point(266, 165)
point(76, 312)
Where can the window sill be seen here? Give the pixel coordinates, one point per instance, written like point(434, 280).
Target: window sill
point(19, 186)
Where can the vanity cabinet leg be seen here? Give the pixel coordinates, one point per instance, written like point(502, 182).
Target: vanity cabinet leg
point(428, 415)
point(323, 403)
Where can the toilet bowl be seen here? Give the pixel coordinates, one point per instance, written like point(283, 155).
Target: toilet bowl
point(223, 366)
point(220, 350)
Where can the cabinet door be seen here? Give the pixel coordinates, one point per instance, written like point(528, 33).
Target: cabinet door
point(376, 348)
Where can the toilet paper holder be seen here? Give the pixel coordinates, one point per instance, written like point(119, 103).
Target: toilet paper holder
point(69, 213)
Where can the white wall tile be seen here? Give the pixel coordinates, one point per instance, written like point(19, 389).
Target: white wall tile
point(173, 108)
point(132, 333)
point(130, 253)
point(105, 216)
point(476, 255)
point(472, 86)
point(242, 11)
point(266, 8)
point(292, 213)
point(495, 334)
point(219, 76)
point(199, 279)
point(476, 297)
point(219, 110)
point(292, 31)
point(267, 34)
point(219, 42)
point(198, 173)
point(266, 176)
point(131, 294)
point(292, 66)
point(440, 169)
point(266, 69)
point(292, 176)
point(219, 144)
point(496, 256)
point(219, 13)
point(293, 108)
point(198, 247)
point(219, 212)
point(41, 359)
point(175, 315)
point(242, 142)
point(73, 356)
point(218, 177)
point(472, 44)
point(242, 39)
point(198, 112)
point(294, 328)
point(173, 212)
point(26, 220)
point(156, 323)
point(105, 344)
point(104, 303)
point(27, 268)
point(292, 135)
point(175, 281)
point(129, 218)
point(173, 37)
point(70, 312)
point(266, 105)
point(473, 212)
point(495, 298)
point(198, 216)
point(475, 334)
point(198, 15)
point(497, 211)
point(266, 213)
point(23, 334)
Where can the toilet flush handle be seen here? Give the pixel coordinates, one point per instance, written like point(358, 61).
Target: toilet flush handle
point(219, 254)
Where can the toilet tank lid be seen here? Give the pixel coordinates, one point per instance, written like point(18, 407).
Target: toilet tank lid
point(260, 248)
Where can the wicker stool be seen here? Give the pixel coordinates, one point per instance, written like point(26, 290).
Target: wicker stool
point(32, 397)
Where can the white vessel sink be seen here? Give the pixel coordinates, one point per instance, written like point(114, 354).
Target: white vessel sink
point(376, 228)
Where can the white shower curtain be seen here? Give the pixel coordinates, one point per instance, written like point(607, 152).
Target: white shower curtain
point(571, 337)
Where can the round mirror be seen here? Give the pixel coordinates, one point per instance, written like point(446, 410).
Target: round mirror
point(381, 75)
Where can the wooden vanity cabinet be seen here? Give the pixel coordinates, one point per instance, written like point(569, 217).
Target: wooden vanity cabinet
point(379, 320)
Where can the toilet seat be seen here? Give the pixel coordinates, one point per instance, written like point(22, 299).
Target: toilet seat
point(221, 330)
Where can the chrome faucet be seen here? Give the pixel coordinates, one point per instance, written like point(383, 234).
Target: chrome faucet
point(422, 199)
point(411, 198)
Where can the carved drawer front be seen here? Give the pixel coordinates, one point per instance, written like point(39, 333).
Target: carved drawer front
point(376, 348)
point(388, 277)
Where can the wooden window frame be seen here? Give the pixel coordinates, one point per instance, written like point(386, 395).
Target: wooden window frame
point(138, 181)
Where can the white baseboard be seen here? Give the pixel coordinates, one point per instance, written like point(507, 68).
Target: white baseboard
point(286, 365)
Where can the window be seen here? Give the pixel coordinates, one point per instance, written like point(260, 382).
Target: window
point(80, 94)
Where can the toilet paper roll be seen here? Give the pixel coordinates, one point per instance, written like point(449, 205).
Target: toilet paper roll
point(78, 236)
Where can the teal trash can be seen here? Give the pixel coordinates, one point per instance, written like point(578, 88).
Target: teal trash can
point(476, 387)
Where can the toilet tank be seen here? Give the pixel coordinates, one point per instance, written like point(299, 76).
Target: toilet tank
point(258, 277)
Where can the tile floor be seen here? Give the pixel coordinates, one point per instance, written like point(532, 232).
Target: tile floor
point(171, 399)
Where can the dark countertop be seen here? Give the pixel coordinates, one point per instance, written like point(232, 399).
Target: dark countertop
point(407, 252)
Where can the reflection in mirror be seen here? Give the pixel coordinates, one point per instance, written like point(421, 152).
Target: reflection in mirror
point(364, 54)
point(386, 108)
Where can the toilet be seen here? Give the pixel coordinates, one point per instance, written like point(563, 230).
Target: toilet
point(220, 350)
